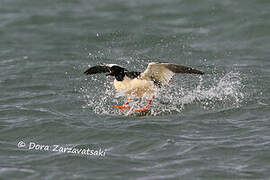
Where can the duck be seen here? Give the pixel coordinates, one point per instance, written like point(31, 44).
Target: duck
point(141, 84)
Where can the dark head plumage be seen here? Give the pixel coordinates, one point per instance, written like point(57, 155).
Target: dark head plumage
point(118, 72)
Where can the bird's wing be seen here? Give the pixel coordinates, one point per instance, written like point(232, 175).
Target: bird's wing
point(161, 73)
point(99, 69)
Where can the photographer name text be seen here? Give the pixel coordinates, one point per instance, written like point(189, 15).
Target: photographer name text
point(59, 148)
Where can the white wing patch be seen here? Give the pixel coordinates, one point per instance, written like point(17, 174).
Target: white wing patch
point(158, 72)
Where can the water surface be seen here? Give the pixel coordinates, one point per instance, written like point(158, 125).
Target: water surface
point(211, 127)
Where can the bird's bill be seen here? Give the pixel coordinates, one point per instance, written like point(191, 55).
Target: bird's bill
point(110, 73)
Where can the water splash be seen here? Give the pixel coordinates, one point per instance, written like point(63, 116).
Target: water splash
point(204, 93)
point(208, 93)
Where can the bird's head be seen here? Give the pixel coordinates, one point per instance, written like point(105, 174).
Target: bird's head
point(118, 72)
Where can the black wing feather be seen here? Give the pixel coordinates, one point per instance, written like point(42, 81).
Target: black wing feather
point(97, 69)
point(175, 68)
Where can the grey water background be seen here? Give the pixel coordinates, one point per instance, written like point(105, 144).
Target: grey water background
point(210, 127)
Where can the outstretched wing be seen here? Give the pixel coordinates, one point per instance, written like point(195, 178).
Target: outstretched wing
point(97, 69)
point(161, 73)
